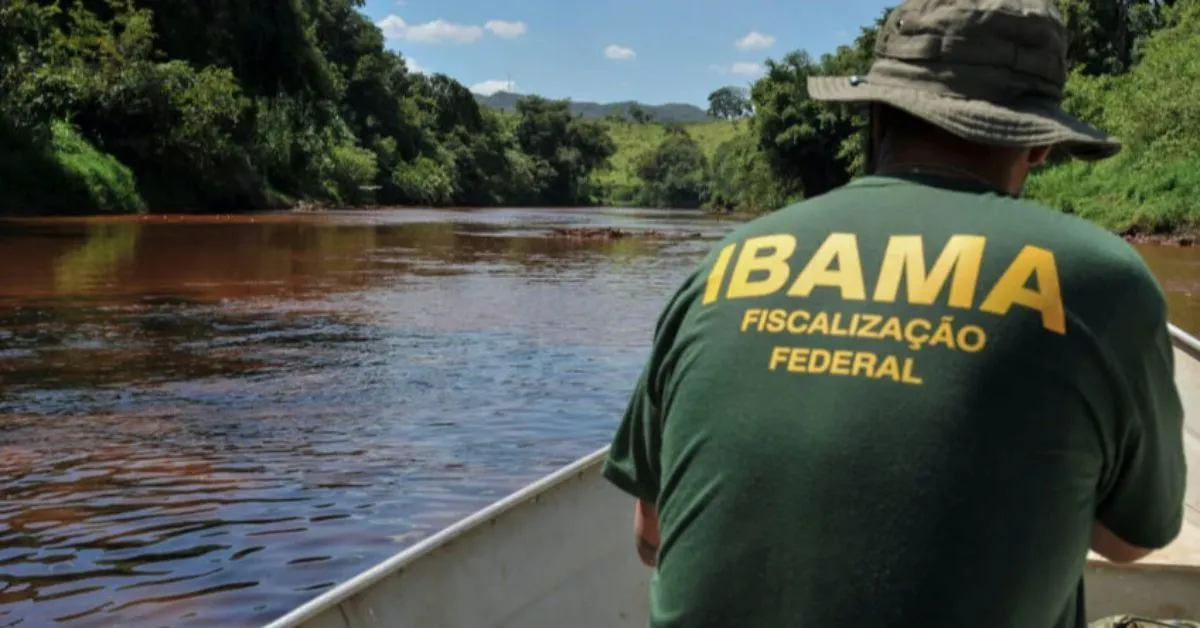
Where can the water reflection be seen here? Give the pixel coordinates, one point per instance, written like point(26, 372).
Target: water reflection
point(207, 421)
point(96, 262)
point(1178, 270)
point(191, 407)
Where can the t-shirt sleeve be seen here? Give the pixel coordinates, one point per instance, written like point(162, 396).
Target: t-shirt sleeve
point(1143, 502)
point(633, 463)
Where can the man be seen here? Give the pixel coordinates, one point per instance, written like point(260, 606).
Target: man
point(916, 400)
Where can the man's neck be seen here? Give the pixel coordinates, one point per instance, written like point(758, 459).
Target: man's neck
point(919, 159)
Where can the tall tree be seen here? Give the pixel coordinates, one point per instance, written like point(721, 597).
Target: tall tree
point(565, 147)
point(729, 103)
point(1106, 34)
point(675, 173)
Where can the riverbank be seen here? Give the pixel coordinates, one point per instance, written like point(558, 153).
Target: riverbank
point(1147, 193)
point(1186, 239)
point(197, 126)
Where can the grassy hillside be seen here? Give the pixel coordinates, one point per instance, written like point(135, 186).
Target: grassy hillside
point(670, 112)
point(1152, 187)
point(620, 180)
point(61, 173)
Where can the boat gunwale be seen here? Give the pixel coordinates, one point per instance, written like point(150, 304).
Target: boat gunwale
point(461, 528)
point(532, 492)
point(1147, 565)
point(1184, 341)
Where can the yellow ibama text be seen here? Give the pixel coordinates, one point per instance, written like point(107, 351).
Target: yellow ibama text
point(763, 267)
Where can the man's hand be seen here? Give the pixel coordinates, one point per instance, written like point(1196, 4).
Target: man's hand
point(645, 529)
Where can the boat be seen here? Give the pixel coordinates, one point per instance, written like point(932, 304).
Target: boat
point(560, 552)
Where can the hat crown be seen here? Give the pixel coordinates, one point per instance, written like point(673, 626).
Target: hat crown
point(995, 50)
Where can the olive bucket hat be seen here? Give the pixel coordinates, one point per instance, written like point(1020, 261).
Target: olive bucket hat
point(989, 71)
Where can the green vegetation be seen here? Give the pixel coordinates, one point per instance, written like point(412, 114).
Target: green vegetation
point(1152, 187)
point(58, 171)
point(619, 181)
point(123, 105)
point(671, 112)
point(1135, 73)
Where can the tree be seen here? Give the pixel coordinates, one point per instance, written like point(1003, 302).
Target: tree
point(565, 148)
point(729, 103)
point(675, 173)
point(639, 115)
point(270, 103)
point(741, 178)
point(812, 147)
point(1105, 35)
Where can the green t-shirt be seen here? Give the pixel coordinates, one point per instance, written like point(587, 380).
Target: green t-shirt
point(903, 403)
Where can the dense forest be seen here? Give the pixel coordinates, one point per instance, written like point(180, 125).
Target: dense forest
point(1135, 72)
point(125, 105)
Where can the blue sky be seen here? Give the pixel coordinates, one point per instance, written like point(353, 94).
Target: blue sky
point(654, 51)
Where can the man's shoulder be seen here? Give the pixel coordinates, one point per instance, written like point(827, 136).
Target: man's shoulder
point(1084, 246)
point(1073, 230)
point(1089, 248)
point(1097, 268)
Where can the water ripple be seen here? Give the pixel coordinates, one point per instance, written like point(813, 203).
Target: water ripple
point(236, 419)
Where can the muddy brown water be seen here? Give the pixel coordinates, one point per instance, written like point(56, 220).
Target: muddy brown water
point(207, 421)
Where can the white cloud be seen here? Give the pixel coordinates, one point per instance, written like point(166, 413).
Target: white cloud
point(414, 67)
point(437, 31)
point(742, 67)
point(443, 31)
point(487, 88)
point(506, 29)
point(619, 53)
point(392, 26)
point(755, 41)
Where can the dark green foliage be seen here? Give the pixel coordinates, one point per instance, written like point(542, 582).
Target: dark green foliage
point(63, 174)
point(675, 173)
point(565, 149)
point(729, 103)
point(234, 105)
point(1106, 34)
point(1135, 69)
point(742, 178)
point(811, 147)
point(202, 105)
point(1152, 186)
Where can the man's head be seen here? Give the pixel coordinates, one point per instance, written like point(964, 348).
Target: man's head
point(898, 139)
point(986, 76)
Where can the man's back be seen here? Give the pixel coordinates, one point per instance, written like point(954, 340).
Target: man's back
point(901, 403)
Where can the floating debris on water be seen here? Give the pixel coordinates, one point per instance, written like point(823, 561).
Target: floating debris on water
point(613, 233)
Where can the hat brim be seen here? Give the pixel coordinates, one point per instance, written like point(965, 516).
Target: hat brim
point(977, 120)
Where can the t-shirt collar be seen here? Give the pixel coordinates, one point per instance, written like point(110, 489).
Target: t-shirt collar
point(961, 184)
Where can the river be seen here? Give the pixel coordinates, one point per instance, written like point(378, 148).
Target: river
point(206, 421)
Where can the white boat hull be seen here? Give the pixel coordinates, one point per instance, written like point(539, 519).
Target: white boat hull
point(560, 553)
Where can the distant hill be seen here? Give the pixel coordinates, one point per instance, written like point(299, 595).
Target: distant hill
point(670, 112)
